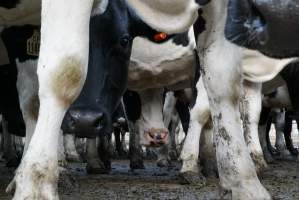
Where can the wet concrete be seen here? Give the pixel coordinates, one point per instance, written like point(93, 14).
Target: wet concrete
point(281, 179)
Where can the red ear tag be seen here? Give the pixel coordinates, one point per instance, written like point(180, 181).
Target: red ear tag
point(160, 37)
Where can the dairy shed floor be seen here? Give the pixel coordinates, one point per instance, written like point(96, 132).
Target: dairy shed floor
point(281, 180)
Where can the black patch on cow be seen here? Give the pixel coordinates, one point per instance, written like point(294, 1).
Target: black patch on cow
point(194, 82)
point(181, 39)
point(16, 41)
point(9, 3)
point(290, 74)
point(264, 116)
point(200, 25)
point(182, 108)
point(132, 103)
point(9, 101)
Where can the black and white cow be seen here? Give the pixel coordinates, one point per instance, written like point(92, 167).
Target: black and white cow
point(62, 69)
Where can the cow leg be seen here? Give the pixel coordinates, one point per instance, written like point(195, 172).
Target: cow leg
point(9, 152)
point(71, 153)
point(163, 158)
point(250, 113)
point(288, 134)
point(105, 150)
point(120, 142)
point(135, 150)
point(199, 115)
point(207, 151)
point(175, 122)
point(123, 142)
point(222, 77)
point(170, 119)
point(94, 163)
point(61, 72)
point(280, 144)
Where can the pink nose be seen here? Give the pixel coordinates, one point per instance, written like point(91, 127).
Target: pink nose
point(157, 137)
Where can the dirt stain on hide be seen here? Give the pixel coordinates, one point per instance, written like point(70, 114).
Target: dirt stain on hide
point(67, 78)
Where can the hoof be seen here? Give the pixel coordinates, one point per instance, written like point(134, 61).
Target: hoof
point(137, 164)
point(192, 178)
point(96, 166)
point(269, 158)
point(73, 158)
point(294, 151)
point(67, 181)
point(163, 163)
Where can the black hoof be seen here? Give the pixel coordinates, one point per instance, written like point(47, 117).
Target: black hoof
point(192, 178)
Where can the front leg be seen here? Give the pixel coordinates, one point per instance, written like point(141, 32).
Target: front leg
point(62, 70)
point(222, 78)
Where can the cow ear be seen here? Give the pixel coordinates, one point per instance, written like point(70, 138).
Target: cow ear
point(171, 16)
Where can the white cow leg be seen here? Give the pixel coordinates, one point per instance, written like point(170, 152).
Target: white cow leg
point(280, 144)
point(62, 70)
point(250, 113)
point(222, 78)
point(94, 163)
point(71, 153)
point(238, 178)
point(30, 127)
point(199, 115)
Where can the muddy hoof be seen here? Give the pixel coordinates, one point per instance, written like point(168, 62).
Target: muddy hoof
point(294, 151)
point(137, 164)
point(96, 170)
point(67, 181)
point(73, 158)
point(192, 178)
point(163, 163)
point(269, 158)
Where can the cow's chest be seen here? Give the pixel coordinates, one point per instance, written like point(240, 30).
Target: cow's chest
point(20, 12)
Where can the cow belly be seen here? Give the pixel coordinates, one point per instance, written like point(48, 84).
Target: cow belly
point(260, 68)
point(268, 26)
point(26, 12)
point(174, 73)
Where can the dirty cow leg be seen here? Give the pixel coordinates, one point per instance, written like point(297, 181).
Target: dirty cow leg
point(279, 119)
point(222, 78)
point(199, 115)
point(135, 149)
point(70, 150)
point(94, 164)
point(61, 71)
point(250, 113)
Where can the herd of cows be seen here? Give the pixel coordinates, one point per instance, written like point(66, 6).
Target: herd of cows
point(91, 68)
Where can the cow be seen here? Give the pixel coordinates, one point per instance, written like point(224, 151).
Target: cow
point(62, 68)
